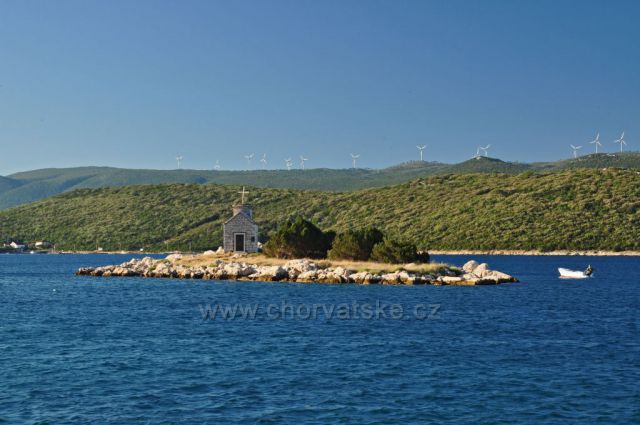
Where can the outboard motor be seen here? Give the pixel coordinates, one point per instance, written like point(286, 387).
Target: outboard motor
point(589, 270)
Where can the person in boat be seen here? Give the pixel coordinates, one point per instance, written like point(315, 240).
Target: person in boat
point(589, 270)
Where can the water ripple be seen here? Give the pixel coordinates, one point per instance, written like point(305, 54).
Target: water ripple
point(137, 351)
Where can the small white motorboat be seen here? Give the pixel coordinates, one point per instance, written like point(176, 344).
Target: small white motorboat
point(575, 274)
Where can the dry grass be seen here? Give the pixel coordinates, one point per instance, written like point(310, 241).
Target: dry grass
point(261, 260)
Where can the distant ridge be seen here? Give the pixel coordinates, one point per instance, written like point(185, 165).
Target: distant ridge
point(488, 165)
point(29, 186)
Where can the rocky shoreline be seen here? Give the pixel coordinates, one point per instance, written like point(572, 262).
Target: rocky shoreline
point(593, 253)
point(300, 271)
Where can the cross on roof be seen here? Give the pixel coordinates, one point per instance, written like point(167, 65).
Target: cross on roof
point(244, 192)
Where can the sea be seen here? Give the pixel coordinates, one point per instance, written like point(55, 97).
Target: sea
point(131, 350)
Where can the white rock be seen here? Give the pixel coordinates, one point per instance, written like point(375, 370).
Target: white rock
point(235, 270)
point(342, 271)
point(470, 266)
point(451, 279)
point(391, 278)
point(308, 276)
point(300, 266)
point(361, 277)
point(406, 278)
point(481, 269)
point(270, 273)
point(498, 277)
point(332, 277)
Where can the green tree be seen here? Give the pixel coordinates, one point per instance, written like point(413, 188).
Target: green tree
point(355, 245)
point(298, 238)
point(397, 252)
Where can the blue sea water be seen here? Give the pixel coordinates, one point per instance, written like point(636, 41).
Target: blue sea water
point(128, 350)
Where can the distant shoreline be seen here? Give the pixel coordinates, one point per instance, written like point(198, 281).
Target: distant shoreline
point(505, 252)
point(589, 253)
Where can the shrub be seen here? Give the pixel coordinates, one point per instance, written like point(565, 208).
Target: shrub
point(298, 238)
point(355, 245)
point(396, 252)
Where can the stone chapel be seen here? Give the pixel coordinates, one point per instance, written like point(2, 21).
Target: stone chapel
point(240, 232)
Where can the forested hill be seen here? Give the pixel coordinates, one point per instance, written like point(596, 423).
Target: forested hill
point(573, 209)
point(25, 187)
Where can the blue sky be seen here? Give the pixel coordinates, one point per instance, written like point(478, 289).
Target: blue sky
point(134, 83)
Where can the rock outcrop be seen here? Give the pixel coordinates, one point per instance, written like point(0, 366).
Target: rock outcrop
point(477, 274)
point(303, 271)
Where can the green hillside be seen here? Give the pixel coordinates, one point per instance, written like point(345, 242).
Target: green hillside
point(25, 187)
point(629, 160)
point(577, 209)
point(7, 184)
point(34, 185)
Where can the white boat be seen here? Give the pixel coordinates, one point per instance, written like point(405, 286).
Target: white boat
point(572, 274)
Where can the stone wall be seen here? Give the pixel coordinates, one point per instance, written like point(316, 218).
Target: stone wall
point(240, 223)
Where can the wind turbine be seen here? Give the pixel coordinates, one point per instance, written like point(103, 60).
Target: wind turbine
point(477, 156)
point(596, 141)
point(264, 161)
point(249, 158)
point(421, 148)
point(217, 166)
point(302, 160)
point(179, 159)
point(486, 150)
point(621, 141)
point(354, 159)
point(575, 150)
point(289, 163)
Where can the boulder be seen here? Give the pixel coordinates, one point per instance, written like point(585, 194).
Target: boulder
point(470, 266)
point(408, 279)
point(198, 273)
point(209, 252)
point(364, 278)
point(209, 273)
point(331, 276)
point(182, 272)
point(361, 277)
point(498, 277)
point(236, 270)
point(342, 271)
point(84, 271)
point(220, 274)
point(427, 278)
point(172, 257)
point(299, 266)
point(450, 280)
point(308, 276)
point(390, 278)
point(270, 274)
point(121, 271)
point(161, 270)
point(481, 269)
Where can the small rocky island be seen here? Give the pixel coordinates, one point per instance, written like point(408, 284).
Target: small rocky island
point(257, 268)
